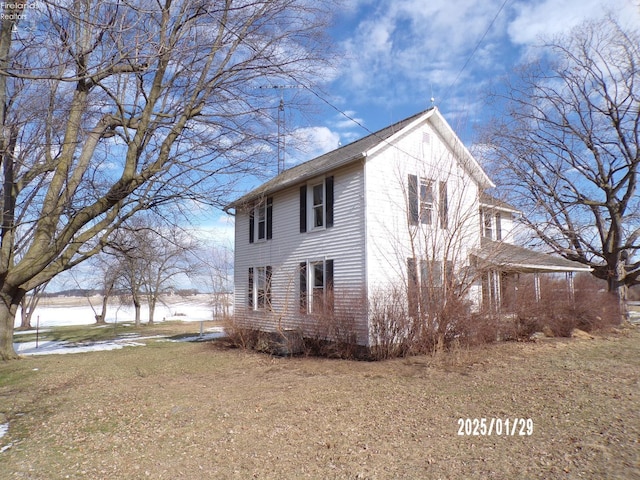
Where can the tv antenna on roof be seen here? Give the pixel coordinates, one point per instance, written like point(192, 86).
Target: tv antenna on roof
point(281, 122)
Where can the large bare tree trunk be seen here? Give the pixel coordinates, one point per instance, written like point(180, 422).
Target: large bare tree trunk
point(152, 308)
point(136, 307)
point(102, 318)
point(192, 71)
point(9, 302)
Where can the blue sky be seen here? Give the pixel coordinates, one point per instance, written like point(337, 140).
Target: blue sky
point(398, 54)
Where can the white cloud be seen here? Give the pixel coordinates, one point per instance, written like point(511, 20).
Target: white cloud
point(311, 142)
point(405, 50)
point(349, 120)
point(400, 53)
point(545, 19)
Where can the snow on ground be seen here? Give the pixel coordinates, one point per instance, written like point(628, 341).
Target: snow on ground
point(49, 347)
point(79, 311)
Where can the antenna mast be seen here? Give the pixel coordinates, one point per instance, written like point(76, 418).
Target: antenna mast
point(281, 123)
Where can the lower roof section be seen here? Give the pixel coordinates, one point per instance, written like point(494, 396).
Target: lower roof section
point(513, 258)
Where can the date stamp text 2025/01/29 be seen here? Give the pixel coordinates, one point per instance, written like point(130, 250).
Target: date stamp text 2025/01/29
point(495, 426)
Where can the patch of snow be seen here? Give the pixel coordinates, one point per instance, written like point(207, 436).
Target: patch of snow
point(48, 347)
point(4, 428)
point(199, 338)
point(23, 332)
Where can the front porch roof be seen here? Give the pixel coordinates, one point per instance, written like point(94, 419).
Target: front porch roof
point(513, 258)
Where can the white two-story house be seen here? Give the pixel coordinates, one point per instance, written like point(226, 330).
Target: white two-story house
point(396, 209)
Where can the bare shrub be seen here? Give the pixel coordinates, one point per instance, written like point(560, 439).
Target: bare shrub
point(238, 335)
point(389, 323)
point(591, 308)
point(431, 322)
point(334, 331)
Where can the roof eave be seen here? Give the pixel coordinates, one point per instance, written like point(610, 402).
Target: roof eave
point(261, 192)
point(533, 268)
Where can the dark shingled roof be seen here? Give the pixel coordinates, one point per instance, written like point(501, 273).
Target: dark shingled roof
point(514, 258)
point(491, 201)
point(330, 160)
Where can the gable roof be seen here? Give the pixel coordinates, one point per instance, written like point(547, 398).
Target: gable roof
point(513, 258)
point(358, 150)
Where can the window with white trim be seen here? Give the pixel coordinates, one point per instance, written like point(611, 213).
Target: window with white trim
point(259, 291)
point(421, 196)
point(427, 282)
point(316, 205)
point(261, 221)
point(491, 224)
point(316, 286)
point(426, 200)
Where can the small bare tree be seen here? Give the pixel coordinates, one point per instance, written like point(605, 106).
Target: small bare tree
point(149, 257)
point(111, 108)
point(216, 265)
point(426, 251)
point(28, 306)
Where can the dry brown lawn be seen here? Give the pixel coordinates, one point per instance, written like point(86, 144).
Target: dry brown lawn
point(199, 410)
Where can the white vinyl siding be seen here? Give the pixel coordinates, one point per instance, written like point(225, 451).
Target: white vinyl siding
point(444, 193)
point(343, 243)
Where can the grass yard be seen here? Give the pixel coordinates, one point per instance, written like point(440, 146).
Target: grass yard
point(200, 410)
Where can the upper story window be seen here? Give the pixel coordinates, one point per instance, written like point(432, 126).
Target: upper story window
point(316, 205)
point(491, 224)
point(261, 221)
point(421, 199)
point(426, 200)
point(317, 209)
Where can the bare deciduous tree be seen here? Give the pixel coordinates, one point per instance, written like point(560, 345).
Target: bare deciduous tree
point(110, 108)
point(28, 306)
point(216, 266)
point(149, 257)
point(569, 148)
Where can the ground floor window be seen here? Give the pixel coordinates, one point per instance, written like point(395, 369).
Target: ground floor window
point(316, 286)
point(427, 283)
point(259, 291)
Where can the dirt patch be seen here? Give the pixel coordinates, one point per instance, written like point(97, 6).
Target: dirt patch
point(180, 410)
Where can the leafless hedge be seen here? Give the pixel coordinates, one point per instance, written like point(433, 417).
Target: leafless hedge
point(434, 321)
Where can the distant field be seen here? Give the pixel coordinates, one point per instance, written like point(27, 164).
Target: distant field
point(82, 310)
point(200, 410)
point(97, 300)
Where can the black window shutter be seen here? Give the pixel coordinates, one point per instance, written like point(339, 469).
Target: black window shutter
point(328, 264)
point(413, 199)
point(328, 185)
point(412, 286)
point(250, 297)
point(303, 209)
point(267, 293)
point(444, 206)
point(303, 286)
point(251, 225)
point(269, 218)
point(329, 294)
